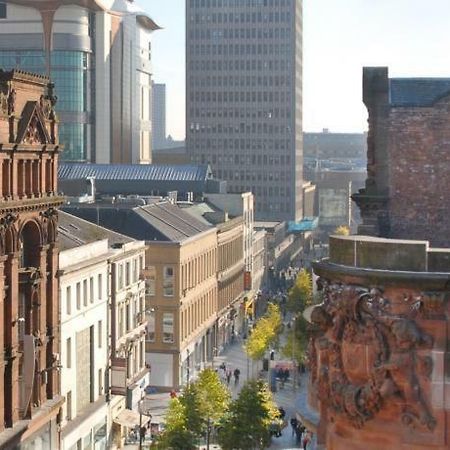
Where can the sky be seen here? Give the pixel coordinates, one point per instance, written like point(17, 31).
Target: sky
point(411, 37)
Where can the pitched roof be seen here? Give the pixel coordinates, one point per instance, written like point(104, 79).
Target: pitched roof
point(171, 221)
point(125, 172)
point(75, 232)
point(417, 91)
point(160, 221)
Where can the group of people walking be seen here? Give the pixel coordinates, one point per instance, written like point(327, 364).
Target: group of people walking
point(302, 436)
point(226, 373)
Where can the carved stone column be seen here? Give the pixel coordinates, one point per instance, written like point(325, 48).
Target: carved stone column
point(2, 343)
point(12, 340)
point(53, 325)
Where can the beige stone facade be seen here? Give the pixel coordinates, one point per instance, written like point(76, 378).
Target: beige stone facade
point(182, 300)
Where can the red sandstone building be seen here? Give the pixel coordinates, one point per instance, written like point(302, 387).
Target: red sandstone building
point(379, 356)
point(29, 312)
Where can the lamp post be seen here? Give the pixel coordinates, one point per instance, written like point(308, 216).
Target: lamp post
point(188, 368)
point(294, 375)
point(144, 410)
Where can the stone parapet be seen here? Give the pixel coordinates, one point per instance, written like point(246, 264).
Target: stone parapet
point(378, 356)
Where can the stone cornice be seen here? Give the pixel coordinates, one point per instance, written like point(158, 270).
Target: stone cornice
point(439, 281)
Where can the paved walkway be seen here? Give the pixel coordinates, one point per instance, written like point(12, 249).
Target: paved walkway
point(235, 357)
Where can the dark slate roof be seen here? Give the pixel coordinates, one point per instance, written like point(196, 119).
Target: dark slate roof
point(156, 222)
point(125, 172)
point(171, 221)
point(417, 91)
point(75, 232)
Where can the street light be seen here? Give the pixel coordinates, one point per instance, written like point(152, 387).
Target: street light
point(188, 369)
point(294, 375)
point(144, 410)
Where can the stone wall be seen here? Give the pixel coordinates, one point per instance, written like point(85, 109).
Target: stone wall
point(378, 354)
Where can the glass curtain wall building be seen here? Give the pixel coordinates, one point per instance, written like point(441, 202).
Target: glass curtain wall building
point(70, 71)
point(100, 62)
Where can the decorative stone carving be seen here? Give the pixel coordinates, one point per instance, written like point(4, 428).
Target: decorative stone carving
point(3, 99)
point(49, 219)
point(365, 356)
point(11, 102)
point(34, 133)
point(6, 224)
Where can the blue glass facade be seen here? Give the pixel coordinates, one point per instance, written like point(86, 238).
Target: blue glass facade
point(69, 72)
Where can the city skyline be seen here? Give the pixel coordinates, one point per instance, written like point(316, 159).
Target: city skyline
point(334, 78)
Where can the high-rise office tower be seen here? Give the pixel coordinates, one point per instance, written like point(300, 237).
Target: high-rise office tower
point(159, 115)
point(244, 98)
point(98, 54)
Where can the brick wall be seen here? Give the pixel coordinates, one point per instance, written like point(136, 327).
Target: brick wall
point(419, 173)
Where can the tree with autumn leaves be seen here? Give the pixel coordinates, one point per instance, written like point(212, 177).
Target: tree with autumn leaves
point(195, 412)
point(264, 333)
point(205, 405)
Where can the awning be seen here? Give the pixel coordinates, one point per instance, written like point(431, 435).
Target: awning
point(129, 418)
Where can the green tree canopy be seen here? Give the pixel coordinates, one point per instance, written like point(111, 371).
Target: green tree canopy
point(264, 333)
point(300, 295)
point(342, 230)
point(297, 341)
point(177, 435)
point(247, 425)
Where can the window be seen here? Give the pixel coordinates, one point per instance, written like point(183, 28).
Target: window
point(85, 293)
point(135, 270)
point(2, 10)
point(78, 295)
point(69, 353)
point(100, 287)
point(151, 326)
point(100, 334)
point(68, 300)
point(168, 281)
point(168, 328)
point(150, 281)
point(127, 273)
point(100, 382)
point(120, 276)
point(69, 405)
point(91, 289)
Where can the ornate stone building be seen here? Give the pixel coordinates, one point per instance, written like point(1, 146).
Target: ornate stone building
point(378, 356)
point(29, 312)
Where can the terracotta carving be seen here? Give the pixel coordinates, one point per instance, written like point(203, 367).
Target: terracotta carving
point(11, 102)
point(364, 356)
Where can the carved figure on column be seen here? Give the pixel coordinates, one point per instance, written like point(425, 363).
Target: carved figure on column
point(11, 102)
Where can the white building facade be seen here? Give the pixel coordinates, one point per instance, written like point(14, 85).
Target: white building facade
point(84, 273)
point(103, 325)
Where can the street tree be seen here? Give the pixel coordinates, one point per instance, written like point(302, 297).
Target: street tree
point(297, 341)
point(247, 425)
point(176, 435)
point(214, 400)
point(342, 230)
point(264, 333)
point(301, 294)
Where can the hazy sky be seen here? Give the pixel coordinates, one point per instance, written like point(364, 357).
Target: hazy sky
point(411, 37)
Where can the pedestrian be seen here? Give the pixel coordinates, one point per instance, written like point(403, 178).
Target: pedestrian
point(236, 374)
point(272, 355)
point(306, 441)
point(228, 377)
point(294, 424)
point(282, 412)
point(298, 434)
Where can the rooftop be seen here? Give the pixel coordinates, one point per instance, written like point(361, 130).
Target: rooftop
point(133, 172)
point(160, 221)
point(417, 91)
point(75, 232)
